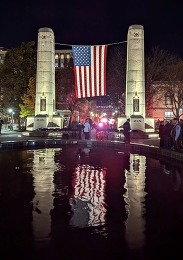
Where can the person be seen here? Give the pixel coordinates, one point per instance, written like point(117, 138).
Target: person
point(93, 131)
point(1, 124)
point(86, 129)
point(74, 128)
point(161, 134)
point(80, 127)
point(91, 125)
point(167, 135)
point(176, 135)
point(126, 131)
point(90, 121)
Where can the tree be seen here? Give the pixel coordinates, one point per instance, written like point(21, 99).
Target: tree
point(65, 93)
point(64, 83)
point(18, 67)
point(116, 76)
point(156, 65)
point(173, 87)
point(28, 106)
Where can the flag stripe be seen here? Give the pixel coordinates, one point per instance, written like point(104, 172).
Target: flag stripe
point(100, 73)
point(90, 77)
point(75, 80)
point(104, 65)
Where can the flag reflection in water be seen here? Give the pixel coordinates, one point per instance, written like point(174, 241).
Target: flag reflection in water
point(88, 199)
point(135, 199)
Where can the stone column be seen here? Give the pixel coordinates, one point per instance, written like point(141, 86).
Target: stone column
point(45, 110)
point(135, 83)
point(135, 78)
point(45, 78)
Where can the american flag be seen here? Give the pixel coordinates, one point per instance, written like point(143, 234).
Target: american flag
point(90, 70)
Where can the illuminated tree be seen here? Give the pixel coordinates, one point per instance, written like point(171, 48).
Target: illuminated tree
point(18, 67)
point(28, 99)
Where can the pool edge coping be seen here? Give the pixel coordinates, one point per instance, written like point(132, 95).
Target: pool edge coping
point(148, 150)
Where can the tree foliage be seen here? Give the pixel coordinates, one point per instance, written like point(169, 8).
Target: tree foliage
point(18, 67)
point(156, 64)
point(65, 93)
point(173, 87)
point(28, 99)
point(116, 76)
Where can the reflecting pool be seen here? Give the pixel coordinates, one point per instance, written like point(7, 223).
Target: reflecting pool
point(82, 203)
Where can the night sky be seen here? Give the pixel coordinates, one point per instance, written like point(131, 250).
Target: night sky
point(93, 22)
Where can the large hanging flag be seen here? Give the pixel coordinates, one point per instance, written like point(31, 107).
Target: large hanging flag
point(90, 70)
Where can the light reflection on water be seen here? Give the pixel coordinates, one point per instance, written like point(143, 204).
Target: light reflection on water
point(104, 202)
point(43, 168)
point(135, 198)
point(88, 199)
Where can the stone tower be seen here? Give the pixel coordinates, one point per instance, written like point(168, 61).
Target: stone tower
point(135, 74)
point(45, 84)
point(135, 82)
point(45, 77)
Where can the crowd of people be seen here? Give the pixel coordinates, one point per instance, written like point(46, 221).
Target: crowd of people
point(83, 128)
point(171, 134)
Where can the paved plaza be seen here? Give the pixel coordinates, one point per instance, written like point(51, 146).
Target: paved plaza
point(8, 135)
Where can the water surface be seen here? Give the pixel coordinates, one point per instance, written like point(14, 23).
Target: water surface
point(82, 203)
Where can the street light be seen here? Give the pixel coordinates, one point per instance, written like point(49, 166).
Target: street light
point(11, 112)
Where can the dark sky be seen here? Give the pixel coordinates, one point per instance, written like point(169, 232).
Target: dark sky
point(93, 22)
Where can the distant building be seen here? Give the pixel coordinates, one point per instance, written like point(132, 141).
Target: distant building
point(161, 105)
point(63, 59)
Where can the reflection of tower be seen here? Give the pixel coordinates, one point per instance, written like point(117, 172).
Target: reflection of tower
point(135, 197)
point(88, 200)
point(43, 170)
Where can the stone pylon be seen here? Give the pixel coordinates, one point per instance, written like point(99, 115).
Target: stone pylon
point(45, 77)
point(45, 116)
point(135, 73)
point(135, 82)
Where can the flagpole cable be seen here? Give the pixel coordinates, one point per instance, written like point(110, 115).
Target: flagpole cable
point(114, 43)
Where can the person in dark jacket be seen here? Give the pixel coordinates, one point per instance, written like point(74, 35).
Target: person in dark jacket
point(80, 127)
point(161, 134)
point(176, 135)
point(1, 124)
point(126, 131)
point(167, 135)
